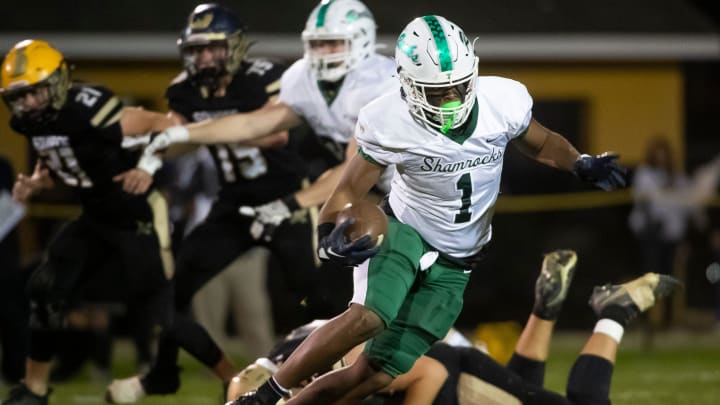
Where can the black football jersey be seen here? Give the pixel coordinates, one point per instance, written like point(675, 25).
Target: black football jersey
point(82, 147)
point(248, 175)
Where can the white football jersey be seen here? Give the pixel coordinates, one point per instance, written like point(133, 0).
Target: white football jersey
point(446, 188)
point(299, 90)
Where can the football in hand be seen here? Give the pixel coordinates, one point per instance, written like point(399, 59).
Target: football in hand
point(369, 220)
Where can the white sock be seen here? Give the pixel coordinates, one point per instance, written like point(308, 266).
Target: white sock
point(610, 328)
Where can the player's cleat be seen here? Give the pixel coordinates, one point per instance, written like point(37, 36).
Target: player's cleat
point(125, 391)
point(133, 389)
point(552, 285)
point(633, 297)
point(20, 395)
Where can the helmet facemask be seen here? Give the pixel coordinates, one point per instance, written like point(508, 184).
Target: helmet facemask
point(329, 67)
point(443, 106)
point(206, 76)
point(53, 89)
point(218, 29)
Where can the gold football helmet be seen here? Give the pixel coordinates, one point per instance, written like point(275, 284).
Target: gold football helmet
point(32, 66)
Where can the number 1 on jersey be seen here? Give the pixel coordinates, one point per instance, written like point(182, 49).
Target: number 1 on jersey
point(465, 186)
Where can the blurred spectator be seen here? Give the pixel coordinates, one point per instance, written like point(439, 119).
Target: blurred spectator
point(239, 292)
point(14, 305)
point(659, 217)
point(665, 201)
point(658, 222)
point(713, 274)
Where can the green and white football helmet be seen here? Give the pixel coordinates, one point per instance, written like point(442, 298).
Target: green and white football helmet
point(433, 54)
point(346, 20)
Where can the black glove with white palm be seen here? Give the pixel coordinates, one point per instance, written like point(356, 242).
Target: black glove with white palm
point(334, 246)
point(601, 170)
point(269, 216)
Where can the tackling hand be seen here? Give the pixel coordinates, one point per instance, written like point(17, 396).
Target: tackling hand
point(268, 217)
point(135, 181)
point(334, 245)
point(169, 136)
point(602, 170)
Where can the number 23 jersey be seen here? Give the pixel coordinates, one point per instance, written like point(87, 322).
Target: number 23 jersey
point(446, 185)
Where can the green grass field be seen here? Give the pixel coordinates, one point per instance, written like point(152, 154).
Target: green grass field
point(681, 369)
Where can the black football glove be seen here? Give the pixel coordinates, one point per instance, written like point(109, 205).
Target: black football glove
point(602, 170)
point(334, 245)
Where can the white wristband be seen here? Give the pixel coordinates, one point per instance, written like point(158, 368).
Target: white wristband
point(178, 134)
point(610, 328)
point(149, 163)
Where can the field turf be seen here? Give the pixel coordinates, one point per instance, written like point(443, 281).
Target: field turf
point(682, 368)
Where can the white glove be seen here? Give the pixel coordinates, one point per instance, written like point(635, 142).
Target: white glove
point(269, 216)
point(166, 138)
point(149, 163)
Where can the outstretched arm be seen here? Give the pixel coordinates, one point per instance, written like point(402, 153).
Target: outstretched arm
point(554, 150)
point(136, 121)
point(548, 147)
point(244, 126)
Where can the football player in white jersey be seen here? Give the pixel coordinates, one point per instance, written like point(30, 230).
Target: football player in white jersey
point(339, 74)
point(445, 130)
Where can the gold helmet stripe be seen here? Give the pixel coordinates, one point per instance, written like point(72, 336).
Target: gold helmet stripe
point(20, 65)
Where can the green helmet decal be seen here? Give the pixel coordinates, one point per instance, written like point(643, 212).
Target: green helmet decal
point(440, 42)
point(353, 15)
point(408, 50)
point(321, 13)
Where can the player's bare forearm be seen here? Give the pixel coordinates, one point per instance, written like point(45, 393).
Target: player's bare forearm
point(357, 179)
point(245, 126)
point(135, 121)
point(321, 189)
point(548, 147)
point(274, 140)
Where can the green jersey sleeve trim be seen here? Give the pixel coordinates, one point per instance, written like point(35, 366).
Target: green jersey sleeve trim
point(369, 158)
